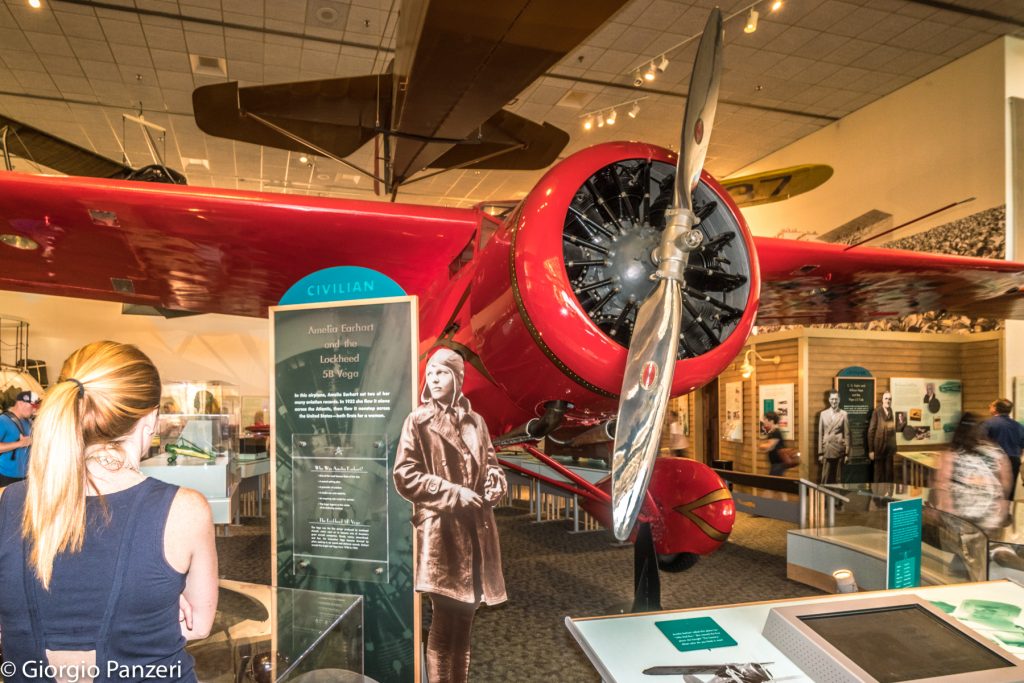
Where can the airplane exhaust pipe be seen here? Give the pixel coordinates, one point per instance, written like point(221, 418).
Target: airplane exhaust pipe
point(602, 433)
point(537, 428)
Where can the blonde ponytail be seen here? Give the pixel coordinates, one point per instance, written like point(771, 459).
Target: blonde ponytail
point(103, 390)
point(55, 501)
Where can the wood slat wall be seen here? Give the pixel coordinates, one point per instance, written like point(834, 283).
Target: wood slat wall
point(745, 455)
point(975, 361)
point(980, 363)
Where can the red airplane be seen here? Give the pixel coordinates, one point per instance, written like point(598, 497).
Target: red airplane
point(608, 257)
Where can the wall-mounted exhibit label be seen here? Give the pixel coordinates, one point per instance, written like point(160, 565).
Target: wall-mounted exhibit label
point(700, 633)
point(778, 398)
point(903, 561)
point(927, 410)
point(732, 430)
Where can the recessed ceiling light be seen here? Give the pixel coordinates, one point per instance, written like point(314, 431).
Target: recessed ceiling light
point(35, 4)
point(327, 15)
point(18, 241)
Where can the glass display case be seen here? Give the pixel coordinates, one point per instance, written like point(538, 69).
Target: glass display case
point(197, 442)
point(263, 634)
point(201, 416)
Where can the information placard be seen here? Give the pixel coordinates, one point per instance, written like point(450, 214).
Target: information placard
point(903, 560)
point(778, 398)
point(699, 633)
point(344, 380)
point(856, 397)
point(732, 430)
point(927, 409)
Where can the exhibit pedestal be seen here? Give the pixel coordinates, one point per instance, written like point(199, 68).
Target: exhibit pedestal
point(216, 479)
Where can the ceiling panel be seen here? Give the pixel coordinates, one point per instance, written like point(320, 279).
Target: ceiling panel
point(75, 68)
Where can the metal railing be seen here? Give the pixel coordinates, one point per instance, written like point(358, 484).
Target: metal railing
point(818, 505)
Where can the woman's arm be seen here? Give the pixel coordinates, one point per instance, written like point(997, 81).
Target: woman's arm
point(190, 547)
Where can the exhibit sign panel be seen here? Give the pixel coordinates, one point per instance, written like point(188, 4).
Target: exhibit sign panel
point(733, 429)
point(856, 389)
point(903, 558)
point(344, 380)
point(778, 398)
point(927, 410)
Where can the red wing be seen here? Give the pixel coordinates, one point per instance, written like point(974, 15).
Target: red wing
point(816, 282)
point(209, 250)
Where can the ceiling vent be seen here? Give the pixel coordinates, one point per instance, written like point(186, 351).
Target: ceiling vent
point(195, 165)
point(208, 66)
point(574, 99)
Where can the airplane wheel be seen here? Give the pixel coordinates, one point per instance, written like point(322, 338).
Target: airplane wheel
point(611, 231)
point(677, 562)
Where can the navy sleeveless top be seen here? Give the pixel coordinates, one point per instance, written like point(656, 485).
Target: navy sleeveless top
point(118, 596)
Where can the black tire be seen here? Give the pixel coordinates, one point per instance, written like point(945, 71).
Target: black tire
point(677, 562)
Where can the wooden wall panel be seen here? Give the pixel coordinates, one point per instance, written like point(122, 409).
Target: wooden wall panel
point(745, 455)
point(980, 363)
point(975, 361)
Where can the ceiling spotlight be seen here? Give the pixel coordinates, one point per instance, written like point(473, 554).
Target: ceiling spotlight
point(35, 4)
point(751, 25)
point(600, 121)
point(611, 118)
point(638, 79)
point(651, 72)
point(634, 110)
point(663, 64)
point(589, 123)
point(303, 159)
point(777, 5)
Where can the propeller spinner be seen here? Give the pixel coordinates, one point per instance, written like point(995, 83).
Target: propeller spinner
point(647, 381)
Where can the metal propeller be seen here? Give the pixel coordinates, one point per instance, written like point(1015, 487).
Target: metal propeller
point(652, 353)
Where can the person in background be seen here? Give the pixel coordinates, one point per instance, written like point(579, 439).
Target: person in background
point(1007, 433)
point(16, 437)
point(100, 565)
point(882, 441)
point(677, 439)
point(771, 443)
point(973, 478)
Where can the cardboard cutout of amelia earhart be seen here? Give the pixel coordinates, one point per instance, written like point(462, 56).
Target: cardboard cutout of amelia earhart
point(446, 467)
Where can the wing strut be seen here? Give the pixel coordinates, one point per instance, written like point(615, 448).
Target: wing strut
point(313, 148)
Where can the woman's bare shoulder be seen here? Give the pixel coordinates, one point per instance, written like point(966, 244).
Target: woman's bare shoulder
point(189, 508)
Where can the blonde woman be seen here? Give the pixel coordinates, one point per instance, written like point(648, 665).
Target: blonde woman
point(104, 573)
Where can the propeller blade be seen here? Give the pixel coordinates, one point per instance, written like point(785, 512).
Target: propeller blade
point(645, 390)
point(701, 103)
point(647, 382)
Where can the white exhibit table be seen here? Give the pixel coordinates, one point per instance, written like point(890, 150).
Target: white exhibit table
point(622, 647)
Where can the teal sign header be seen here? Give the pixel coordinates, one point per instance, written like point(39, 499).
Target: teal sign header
point(341, 283)
point(904, 559)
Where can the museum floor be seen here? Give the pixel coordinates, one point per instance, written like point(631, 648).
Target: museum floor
point(551, 573)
